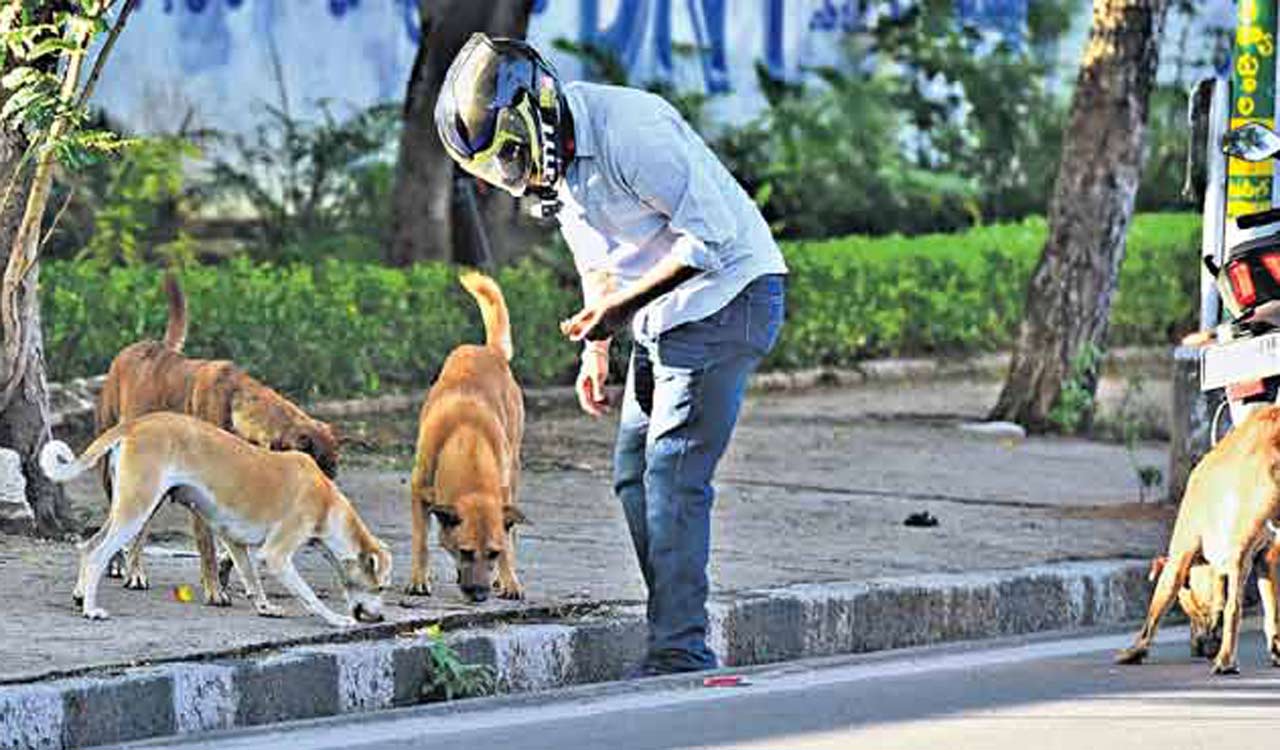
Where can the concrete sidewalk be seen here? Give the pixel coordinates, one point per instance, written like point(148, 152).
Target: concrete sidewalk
point(812, 495)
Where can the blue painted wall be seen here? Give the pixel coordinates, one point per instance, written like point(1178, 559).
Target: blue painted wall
point(213, 60)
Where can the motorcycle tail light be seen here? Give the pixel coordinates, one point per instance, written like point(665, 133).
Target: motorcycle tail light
point(1242, 283)
point(1271, 261)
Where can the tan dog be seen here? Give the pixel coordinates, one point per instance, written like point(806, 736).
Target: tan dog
point(274, 501)
point(468, 459)
point(1224, 520)
point(150, 376)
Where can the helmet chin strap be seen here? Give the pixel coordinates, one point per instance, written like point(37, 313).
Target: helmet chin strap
point(548, 202)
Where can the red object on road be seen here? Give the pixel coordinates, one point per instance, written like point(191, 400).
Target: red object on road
point(726, 680)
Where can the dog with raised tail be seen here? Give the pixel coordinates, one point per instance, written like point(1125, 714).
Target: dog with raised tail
point(273, 501)
point(467, 465)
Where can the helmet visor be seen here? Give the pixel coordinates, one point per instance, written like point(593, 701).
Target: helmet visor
point(508, 161)
point(465, 111)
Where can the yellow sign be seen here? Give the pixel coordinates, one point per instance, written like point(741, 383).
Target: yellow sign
point(1253, 88)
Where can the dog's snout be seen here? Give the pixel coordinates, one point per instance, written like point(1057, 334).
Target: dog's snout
point(364, 614)
point(476, 593)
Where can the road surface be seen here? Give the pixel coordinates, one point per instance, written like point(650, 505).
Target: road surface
point(1048, 693)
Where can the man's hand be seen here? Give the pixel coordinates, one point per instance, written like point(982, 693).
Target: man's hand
point(597, 321)
point(592, 375)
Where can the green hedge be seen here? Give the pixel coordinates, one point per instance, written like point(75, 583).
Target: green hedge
point(344, 328)
point(857, 297)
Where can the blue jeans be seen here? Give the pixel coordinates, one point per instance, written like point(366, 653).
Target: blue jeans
point(683, 394)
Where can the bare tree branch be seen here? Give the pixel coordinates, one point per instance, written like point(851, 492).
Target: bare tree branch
point(92, 82)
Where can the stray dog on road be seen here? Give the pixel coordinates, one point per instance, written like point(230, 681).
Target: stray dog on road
point(150, 376)
point(467, 463)
point(1224, 520)
point(275, 501)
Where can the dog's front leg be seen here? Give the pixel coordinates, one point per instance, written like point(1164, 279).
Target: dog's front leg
point(420, 557)
point(508, 584)
point(281, 566)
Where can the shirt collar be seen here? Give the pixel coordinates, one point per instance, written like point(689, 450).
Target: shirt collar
point(583, 142)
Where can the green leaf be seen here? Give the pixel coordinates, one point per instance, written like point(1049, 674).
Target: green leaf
point(55, 46)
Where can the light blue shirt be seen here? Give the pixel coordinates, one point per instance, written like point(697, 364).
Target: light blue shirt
point(643, 186)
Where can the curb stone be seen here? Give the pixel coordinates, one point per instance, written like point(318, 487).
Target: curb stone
point(748, 628)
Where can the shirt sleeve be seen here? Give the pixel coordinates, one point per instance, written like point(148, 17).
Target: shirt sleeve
point(671, 170)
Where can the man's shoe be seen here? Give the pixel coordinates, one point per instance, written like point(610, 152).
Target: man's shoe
point(641, 671)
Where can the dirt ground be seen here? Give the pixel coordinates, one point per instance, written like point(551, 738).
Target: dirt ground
point(816, 487)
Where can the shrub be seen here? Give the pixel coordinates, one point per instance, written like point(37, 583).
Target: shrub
point(337, 328)
point(344, 328)
point(859, 297)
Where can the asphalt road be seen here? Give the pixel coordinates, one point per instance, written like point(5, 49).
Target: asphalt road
point(1045, 693)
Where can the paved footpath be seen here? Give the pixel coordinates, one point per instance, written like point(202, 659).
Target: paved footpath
point(815, 489)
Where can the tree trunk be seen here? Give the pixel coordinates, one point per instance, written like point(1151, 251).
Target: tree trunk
point(14, 517)
point(25, 426)
point(1069, 297)
point(424, 213)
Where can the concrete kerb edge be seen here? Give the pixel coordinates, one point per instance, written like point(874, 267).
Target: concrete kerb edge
point(751, 627)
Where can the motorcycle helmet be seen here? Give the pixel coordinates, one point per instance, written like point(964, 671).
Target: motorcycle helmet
point(498, 116)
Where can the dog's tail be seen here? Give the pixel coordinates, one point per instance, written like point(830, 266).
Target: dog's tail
point(59, 462)
point(175, 333)
point(493, 308)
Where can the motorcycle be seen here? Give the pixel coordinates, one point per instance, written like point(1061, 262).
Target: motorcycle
point(1242, 354)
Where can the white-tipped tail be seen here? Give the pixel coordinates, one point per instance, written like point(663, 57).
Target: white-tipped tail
point(58, 461)
point(493, 308)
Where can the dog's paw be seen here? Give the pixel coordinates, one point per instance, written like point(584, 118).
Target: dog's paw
point(97, 613)
point(1133, 655)
point(418, 589)
point(267, 609)
point(137, 581)
point(219, 598)
point(515, 592)
point(1220, 667)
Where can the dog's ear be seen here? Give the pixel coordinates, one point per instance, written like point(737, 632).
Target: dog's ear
point(445, 516)
point(511, 515)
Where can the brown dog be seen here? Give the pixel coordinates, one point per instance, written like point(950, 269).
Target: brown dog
point(273, 501)
point(1224, 520)
point(467, 464)
point(150, 376)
